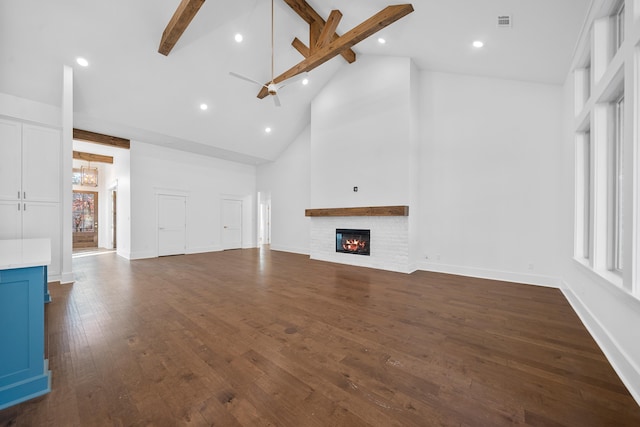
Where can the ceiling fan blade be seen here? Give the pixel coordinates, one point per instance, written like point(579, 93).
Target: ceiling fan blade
point(240, 76)
point(276, 100)
point(293, 79)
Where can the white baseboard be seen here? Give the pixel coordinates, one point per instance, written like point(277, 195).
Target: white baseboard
point(302, 251)
point(142, 255)
point(506, 276)
point(67, 277)
point(123, 254)
point(203, 249)
point(624, 366)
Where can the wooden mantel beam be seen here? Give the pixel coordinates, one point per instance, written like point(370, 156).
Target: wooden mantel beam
point(359, 211)
point(178, 24)
point(313, 18)
point(380, 20)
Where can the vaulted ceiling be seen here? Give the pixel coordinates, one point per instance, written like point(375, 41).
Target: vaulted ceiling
point(130, 90)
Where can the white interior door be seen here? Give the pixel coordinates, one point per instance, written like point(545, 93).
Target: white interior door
point(172, 229)
point(231, 224)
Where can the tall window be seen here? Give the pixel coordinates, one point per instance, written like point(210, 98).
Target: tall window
point(619, 22)
point(617, 175)
point(584, 187)
point(586, 206)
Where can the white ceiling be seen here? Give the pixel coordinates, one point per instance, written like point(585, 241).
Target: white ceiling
point(132, 91)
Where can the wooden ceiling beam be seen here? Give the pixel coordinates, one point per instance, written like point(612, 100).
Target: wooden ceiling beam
point(309, 15)
point(304, 10)
point(301, 47)
point(90, 157)
point(179, 22)
point(99, 138)
point(329, 29)
point(380, 20)
point(315, 28)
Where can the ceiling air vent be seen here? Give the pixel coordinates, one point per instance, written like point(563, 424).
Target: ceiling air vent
point(504, 21)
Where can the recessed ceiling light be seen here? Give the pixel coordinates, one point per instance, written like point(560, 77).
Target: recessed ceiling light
point(204, 107)
point(478, 44)
point(239, 37)
point(267, 130)
point(82, 62)
point(381, 40)
point(305, 81)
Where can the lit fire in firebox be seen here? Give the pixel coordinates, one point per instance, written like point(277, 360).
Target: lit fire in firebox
point(353, 245)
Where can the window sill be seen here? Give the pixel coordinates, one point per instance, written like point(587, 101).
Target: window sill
point(610, 277)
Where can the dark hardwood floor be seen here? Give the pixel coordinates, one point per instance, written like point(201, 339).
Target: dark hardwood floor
point(265, 338)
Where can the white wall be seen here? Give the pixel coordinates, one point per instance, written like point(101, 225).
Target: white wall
point(204, 180)
point(288, 181)
point(360, 135)
point(478, 165)
point(489, 177)
point(33, 111)
point(415, 150)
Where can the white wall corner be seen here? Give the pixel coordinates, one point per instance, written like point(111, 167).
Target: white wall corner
point(66, 193)
point(123, 253)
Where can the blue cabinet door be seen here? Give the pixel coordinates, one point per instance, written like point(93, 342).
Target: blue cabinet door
point(24, 372)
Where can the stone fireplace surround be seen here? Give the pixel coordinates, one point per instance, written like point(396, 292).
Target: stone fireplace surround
point(389, 227)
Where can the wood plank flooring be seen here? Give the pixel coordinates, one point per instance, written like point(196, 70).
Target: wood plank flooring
point(265, 338)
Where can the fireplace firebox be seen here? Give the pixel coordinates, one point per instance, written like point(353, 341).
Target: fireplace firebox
point(351, 241)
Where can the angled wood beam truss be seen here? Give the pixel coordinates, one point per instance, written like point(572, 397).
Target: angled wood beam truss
point(380, 20)
point(329, 29)
point(179, 22)
point(90, 157)
point(316, 23)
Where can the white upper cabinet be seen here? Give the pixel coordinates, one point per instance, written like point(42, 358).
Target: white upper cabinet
point(10, 160)
point(40, 164)
point(29, 162)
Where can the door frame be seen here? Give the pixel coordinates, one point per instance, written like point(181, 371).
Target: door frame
point(112, 213)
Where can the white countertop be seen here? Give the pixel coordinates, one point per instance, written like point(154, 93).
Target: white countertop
point(21, 253)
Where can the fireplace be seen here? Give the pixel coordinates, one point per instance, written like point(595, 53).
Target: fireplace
point(350, 241)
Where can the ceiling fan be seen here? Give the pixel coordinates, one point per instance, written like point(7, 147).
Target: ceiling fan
point(272, 87)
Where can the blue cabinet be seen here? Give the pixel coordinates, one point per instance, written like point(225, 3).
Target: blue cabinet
point(24, 372)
